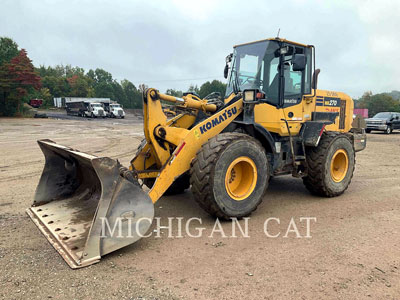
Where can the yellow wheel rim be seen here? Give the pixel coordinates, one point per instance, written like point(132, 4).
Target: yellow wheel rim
point(339, 165)
point(241, 178)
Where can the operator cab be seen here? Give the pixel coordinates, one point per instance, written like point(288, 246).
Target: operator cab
point(277, 69)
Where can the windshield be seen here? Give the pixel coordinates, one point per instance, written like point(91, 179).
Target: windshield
point(383, 115)
point(96, 105)
point(115, 105)
point(248, 66)
point(258, 66)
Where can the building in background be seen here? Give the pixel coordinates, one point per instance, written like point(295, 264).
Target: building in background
point(363, 112)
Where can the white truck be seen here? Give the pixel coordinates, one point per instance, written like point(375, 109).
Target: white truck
point(94, 110)
point(114, 110)
point(85, 109)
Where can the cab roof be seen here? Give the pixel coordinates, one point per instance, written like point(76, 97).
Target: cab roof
point(274, 39)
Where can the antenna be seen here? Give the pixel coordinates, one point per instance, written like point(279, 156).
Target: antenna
point(277, 36)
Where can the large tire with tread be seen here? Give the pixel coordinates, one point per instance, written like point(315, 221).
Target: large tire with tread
point(177, 187)
point(322, 178)
point(211, 170)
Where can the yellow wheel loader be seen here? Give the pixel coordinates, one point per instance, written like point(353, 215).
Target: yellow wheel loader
point(273, 121)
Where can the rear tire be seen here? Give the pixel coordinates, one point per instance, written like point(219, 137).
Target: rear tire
point(229, 175)
point(330, 165)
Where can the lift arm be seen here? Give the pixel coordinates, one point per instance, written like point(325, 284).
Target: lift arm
point(172, 145)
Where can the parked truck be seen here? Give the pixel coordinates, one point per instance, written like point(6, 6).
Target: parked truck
point(35, 103)
point(113, 110)
point(85, 109)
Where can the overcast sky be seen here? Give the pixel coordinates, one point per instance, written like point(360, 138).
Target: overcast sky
point(172, 44)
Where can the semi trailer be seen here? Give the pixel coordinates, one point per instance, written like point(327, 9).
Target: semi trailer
point(85, 109)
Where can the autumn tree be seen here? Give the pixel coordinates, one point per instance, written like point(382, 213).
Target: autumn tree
point(17, 78)
point(79, 85)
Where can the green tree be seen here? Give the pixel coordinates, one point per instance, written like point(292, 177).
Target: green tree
point(211, 87)
point(193, 89)
point(118, 93)
point(378, 103)
point(175, 93)
point(44, 94)
point(103, 84)
point(133, 95)
point(8, 50)
point(79, 86)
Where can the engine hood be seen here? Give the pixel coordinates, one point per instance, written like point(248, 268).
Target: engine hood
point(376, 119)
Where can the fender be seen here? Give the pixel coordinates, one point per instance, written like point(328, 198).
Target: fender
point(260, 133)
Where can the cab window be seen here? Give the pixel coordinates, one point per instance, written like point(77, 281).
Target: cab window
point(292, 81)
point(248, 66)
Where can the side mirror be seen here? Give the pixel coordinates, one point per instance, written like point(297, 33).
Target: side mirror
point(226, 70)
point(228, 59)
point(299, 62)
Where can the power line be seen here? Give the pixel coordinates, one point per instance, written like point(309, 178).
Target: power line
point(183, 79)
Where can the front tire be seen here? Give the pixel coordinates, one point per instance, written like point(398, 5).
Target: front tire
point(389, 130)
point(229, 175)
point(330, 165)
point(368, 130)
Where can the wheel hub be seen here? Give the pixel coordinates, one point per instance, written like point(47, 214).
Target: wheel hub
point(339, 165)
point(241, 178)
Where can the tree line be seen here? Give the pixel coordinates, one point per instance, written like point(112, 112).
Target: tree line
point(21, 81)
point(376, 103)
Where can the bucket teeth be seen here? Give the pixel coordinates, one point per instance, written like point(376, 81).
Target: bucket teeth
point(86, 207)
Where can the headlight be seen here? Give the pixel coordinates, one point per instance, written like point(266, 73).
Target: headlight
point(249, 95)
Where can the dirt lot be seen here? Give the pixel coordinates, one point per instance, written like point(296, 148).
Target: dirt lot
point(353, 252)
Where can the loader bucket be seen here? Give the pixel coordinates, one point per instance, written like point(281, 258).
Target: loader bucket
point(85, 208)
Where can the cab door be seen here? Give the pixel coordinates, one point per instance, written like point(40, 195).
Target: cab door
point(292, 100)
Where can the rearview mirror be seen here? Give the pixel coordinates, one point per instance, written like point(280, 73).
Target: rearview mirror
point(226, 70)
point(228, 59)
point(299, 62)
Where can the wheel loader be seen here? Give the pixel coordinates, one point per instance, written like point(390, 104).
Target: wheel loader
point(272, 121)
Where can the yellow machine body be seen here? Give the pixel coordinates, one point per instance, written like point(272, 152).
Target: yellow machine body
point(270, 117)
point(79, 192)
